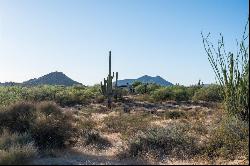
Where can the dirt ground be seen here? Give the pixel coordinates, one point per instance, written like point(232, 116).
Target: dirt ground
point(89, 155)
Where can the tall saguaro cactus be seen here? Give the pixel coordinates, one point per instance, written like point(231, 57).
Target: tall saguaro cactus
point(107, 86)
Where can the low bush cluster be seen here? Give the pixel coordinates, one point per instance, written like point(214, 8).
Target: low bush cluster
point(211, 93)
point(230, 139)
point(172, 140)
point(16, 148)
point(65, 96)
point(45, 123)
point(127, 124)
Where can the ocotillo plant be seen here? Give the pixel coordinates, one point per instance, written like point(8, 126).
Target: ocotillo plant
point(107, 87)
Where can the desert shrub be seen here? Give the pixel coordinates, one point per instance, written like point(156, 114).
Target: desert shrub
point(46, 123)
point(136, 83)
point(66, 99)
point(86, 125)
point(94, 138)
point(70, 96)
point(172, 140)
point(232, 73)
point(40, 93)
point(90, 135)
point(9, 95)
point(152, 87)
point(229, 139)
point(49, 108)
point(127, 124)
point(181, 94)
point(211, 93)
point(141, 88)
point(92, 91)
point(124, 91)
point(65, 96)
point(53, 131)
point(192, 90)
point(8, 139)
point(162, 94)
point(144, 97)
point(174, 114)
point(18, 117)
point(100, 99)
point(18, 155)
point(199, 127)
point(16, 149)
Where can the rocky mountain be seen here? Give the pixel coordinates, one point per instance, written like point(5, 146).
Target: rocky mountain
point(54, 78)
point(145, 79)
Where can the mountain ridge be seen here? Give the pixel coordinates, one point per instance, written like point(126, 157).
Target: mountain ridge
point(59, 78)
point(53, 78)
point(145, 79)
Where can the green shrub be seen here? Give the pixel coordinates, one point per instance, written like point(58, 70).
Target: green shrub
point(10, 95)
point(18, 117)
point(181, 94)
point(163, 94)
point(211, 93)
point(192, 90)
point(230, 139)
point(65, 96)
point(140, 88)
point(136, 83)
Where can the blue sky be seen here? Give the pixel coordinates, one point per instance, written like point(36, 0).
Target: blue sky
point(153, 37)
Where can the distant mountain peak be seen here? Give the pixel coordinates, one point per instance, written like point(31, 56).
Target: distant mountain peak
point(146, 79)
point(53, 78)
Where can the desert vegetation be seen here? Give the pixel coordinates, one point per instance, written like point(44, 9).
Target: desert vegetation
point(151, 124)
point(165, 122)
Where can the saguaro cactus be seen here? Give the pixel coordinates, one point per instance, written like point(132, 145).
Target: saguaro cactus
point(107, 86)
